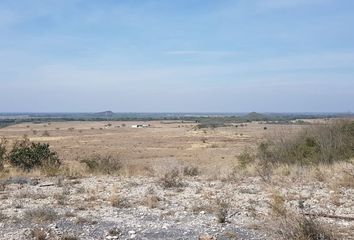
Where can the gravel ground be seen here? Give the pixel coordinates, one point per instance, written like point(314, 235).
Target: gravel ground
point(141, 208)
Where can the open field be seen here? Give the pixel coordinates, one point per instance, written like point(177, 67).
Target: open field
point(221, 199)
point(159, 145)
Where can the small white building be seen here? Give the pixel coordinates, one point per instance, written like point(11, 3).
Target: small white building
point(141, 126)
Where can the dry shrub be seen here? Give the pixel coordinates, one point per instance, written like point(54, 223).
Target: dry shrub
point(288, 225)
point(103, 164)
point(41, 215)
point(151, 201)
point(318, 144)
point(61, 198)
point(221, 210)
point(73, 170)
point(346, 180)
point(119, 201)
point(277, 205)
point(191, 171)
point(172, 179)
point(39, 234)
point(245, 158)
point(303, 228)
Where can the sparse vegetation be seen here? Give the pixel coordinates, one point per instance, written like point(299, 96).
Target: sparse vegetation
point(277, 205)
point(324, 144)
point(119, 201)
point(103, 164)
point(303, 228)
point(41, 215)
point(227, 189)
point(39, 234)
point(172, 179)
point(221, 210)
point(245, 158)
point(190, 171)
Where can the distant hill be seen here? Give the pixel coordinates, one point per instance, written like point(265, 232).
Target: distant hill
point(105, 113)
point(254, 116)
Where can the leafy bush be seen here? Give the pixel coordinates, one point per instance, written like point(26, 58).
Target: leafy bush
point(28, 155)
point(317, 144)
point(103, 164)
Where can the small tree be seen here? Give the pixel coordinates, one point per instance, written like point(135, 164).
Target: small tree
point(28, 155)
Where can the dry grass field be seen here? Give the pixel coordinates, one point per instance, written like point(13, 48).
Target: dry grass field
point(163, 144)
point(174, 181)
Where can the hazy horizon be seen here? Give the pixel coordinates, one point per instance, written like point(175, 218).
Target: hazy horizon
point(200, 56)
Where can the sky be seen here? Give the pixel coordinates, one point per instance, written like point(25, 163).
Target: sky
point(177, 56)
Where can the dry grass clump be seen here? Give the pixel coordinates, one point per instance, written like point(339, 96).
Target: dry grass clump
point(39, 234)
point(191, 171)
point(221, 210)
point(41, 215)
point(288, 225)
point(103, 164)
point(67, 236)
point(303, 228)
point(151, 200)
point(32, 195)
point(61, 198)
point(85, 221)
point(172, 179)
point(346, 180)
point(245, 158)
point(73, 170)
point(277, 205)
point(119, 201)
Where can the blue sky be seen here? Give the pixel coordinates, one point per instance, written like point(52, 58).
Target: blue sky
point(184, 56)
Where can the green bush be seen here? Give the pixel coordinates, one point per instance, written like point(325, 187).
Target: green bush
point(29, 155)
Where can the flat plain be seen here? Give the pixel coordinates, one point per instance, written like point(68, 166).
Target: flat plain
point(175, 181)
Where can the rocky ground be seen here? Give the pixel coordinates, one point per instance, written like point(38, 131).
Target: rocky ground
point(109, 207)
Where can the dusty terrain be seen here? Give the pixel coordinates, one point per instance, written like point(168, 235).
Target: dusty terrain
point(137, 203)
